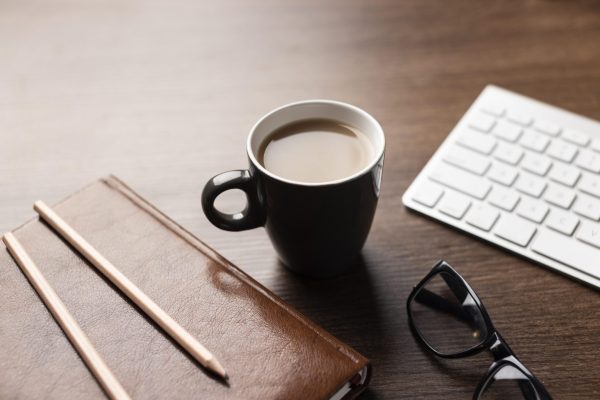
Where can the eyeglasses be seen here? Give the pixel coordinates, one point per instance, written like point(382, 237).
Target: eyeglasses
point(447, 316)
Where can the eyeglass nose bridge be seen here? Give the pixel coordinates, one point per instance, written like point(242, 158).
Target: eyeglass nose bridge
point(498, 347)
point(502, 352)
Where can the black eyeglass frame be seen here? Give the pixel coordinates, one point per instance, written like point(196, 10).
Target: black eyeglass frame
point(502, 353)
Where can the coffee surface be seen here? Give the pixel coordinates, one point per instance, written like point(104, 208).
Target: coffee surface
point(315, 151)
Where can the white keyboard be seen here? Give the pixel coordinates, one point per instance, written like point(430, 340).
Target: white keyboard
point(523, 175)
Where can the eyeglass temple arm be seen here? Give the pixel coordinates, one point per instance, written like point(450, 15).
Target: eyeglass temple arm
point(459, 290)
point(439, 303)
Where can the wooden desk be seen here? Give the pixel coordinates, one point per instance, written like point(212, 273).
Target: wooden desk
point(163, 94)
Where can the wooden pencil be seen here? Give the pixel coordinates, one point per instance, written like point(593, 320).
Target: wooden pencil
point(158, 315)
point(78, 338)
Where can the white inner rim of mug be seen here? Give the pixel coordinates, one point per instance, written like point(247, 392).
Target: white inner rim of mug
point(316, 109)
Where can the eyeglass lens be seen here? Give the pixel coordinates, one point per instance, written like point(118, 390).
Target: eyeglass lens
point(446, 315)
point(508, 383)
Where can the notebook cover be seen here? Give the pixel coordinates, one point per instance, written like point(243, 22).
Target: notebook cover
point(269, 350)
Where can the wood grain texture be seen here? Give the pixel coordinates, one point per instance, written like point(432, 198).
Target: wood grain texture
point(163, 95)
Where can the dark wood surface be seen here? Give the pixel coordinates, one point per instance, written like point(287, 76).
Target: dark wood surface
point(163, 94)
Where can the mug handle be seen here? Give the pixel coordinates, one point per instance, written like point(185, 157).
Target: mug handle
point(250, 217)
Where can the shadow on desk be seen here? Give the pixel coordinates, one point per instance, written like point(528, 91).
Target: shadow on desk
point(347, 306)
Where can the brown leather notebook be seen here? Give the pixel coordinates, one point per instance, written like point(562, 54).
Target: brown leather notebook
point(269, 350)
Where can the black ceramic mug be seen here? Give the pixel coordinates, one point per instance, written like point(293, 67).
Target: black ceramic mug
point(318, 229)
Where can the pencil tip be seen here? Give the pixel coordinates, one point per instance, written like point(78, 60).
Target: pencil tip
point(217, 368)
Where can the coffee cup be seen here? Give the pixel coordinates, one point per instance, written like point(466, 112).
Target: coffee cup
point(317, 217)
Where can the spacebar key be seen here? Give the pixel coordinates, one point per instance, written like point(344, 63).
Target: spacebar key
point(568, 251)
point(460, 180)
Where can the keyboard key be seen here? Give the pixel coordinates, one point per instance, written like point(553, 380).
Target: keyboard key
point(519, 118)
point(508, 153)
point(493, 109)
point(559, 196)
point(502, 174)
point(589, 161)
point(476, 141)
point(546, 127)
point(534, 141)
point(562, 222)
point(589, 184)
point(428, 195)
point(482, 216)
point(533, 210)
point(503, 198)
point(507, 131)
point(454, 205)
point(569, 252)
point(481, 122)
point(530, 185)
point(589, 233)
point(467, 160)
point(515, 229)
point(562, 151)
point(595, 145)
point(537, 164)
point(462, 181)
point(588, 207)
point(564, 174)
point(580, 139)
